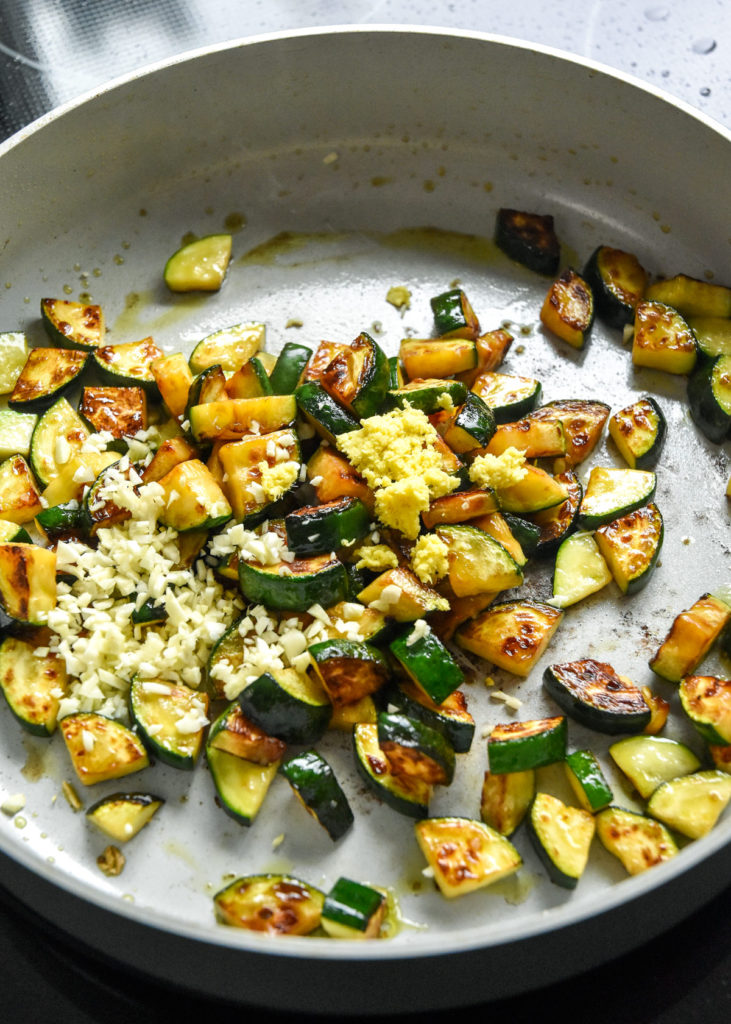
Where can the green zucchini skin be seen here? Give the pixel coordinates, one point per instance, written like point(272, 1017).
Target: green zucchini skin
point(593, 694)
point(373, 767)
point(288, 368)
point(510, 397)
point(561, 836)
point(528, 238)
point(414, 748)
point(618, 282)
point(60, 520)
point(428, 663)
point(26, 682)
point(520, 746)
point(620, 491)
point(526, 533)
point(706, 700)
point(328, 417)
point(241, 785)
point(314, 782)
point(353, 910)
point(325, 584)
point(317, 529)
point(453, 315)
point(128, 365)
point(473, 425)
point(293, 713)
point(556, 524)
point(348, 669)
point(588, 781)
point(709, 398)
point(270, 903)
point(450, 717)
point(74, 325)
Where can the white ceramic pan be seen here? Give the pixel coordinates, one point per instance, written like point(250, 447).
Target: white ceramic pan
point(354, 142)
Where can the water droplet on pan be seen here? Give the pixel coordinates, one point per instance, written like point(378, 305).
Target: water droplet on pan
point(657, 13)
point(705, 91)
point(705, 45)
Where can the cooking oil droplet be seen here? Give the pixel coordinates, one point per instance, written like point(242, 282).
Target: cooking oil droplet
point(19, 822)
point(67, 289)
point(119, 260)
point(705, 91)
point(657, 13)
point(705, 45)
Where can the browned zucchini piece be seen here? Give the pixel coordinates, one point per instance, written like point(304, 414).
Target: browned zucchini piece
point(20, 501)
point(464, 854)
point(690, 638)
point(630, 546)
point(706, 700)
point(273, 904)
point(639, 432)
point(662, 339)
point(348, 669)
point(31, 684)
point(430, 357)
point(100, 748)
point(568, 309)
point(193, 498)
point(122, 815)
point(332, 476)
point(230, 419)
point(73, 324)
point(27, 581)
point(512, 635)
point(321, 359)
point(236, 734)
point(173, 377)
point(528, 238)
point(46, 375)
point(459, 507)
point(454, 316)
point(637, 841)
point(74, 476)
point(492, 347)
point(359, 377)
point(401, 596)
point(556, 523)
point(583, 423)
point(129, 365)
point(618, 281)
point(691, 296)
point(445, 623)
point(505, 799)
point(171, 453)
point(120, 411)
point(598, 697)
point(245, 464)
point(416, 752)
point(496, 525)
point(535, 438)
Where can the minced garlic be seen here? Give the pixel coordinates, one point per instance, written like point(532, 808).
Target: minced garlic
point(429, 558)
point(376, 557)
point(277, 479)
point(498, 471)
point(399, 296)
point(396, 453)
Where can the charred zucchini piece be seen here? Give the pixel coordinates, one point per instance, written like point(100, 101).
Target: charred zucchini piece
point(618, 282)
point(497, 526)
point(471, 426)
point(649, 760)
point(100, 748)
point(630, 546)
point(193, 499)
point(328, 417)
point(322, 357)
point(639, 432)
point(207, 386)
point(407, 795)
point(454, 316)
point(31, 684)
point(27, 582)
point(274, 904)
point(358, 377)
point(170, 454)
point(287, 704)
point(348, 669)
point(662, 339)
point(706, 700)
point(58, 434)
point(587, 780)
point(709, 398)
point(430, 395)
point(691, 804)
point(48, 373)
point(200, 265)
point(509, 396)
point(122, 815)
point(315, 529)
point(73, 324)
point(536, 439)
point(250, 381)
point(505, 799)
point(491, 347)
point(465, 854)
point(521, 746)
point(295, 585)
point(353, 911)
point(399, 594)
point(580, 570)
point(692, 297)
point(450, 716)
point(414, 750)
point(229, 347)
point(428, 357)
point(459, 508)
point(258, 471)
point(241, 785)
point(477, 562)
point(16, 431)
point(170, 720)
point(512, 635)
point(636, 840)
point(611, 493)
point(332, 476)
point(130, 365)
point(119, 411)
point(562, 837)
point(427, 663)
point(583, 423)
point(288, 368)
point(313, 781)
point(555, 524)
point(230, 419)
point(568, 309)
point(690, 638)
point(59, 522)
point(173, 379)
point(592, 693)
point(528, 238)
point(235, 734)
